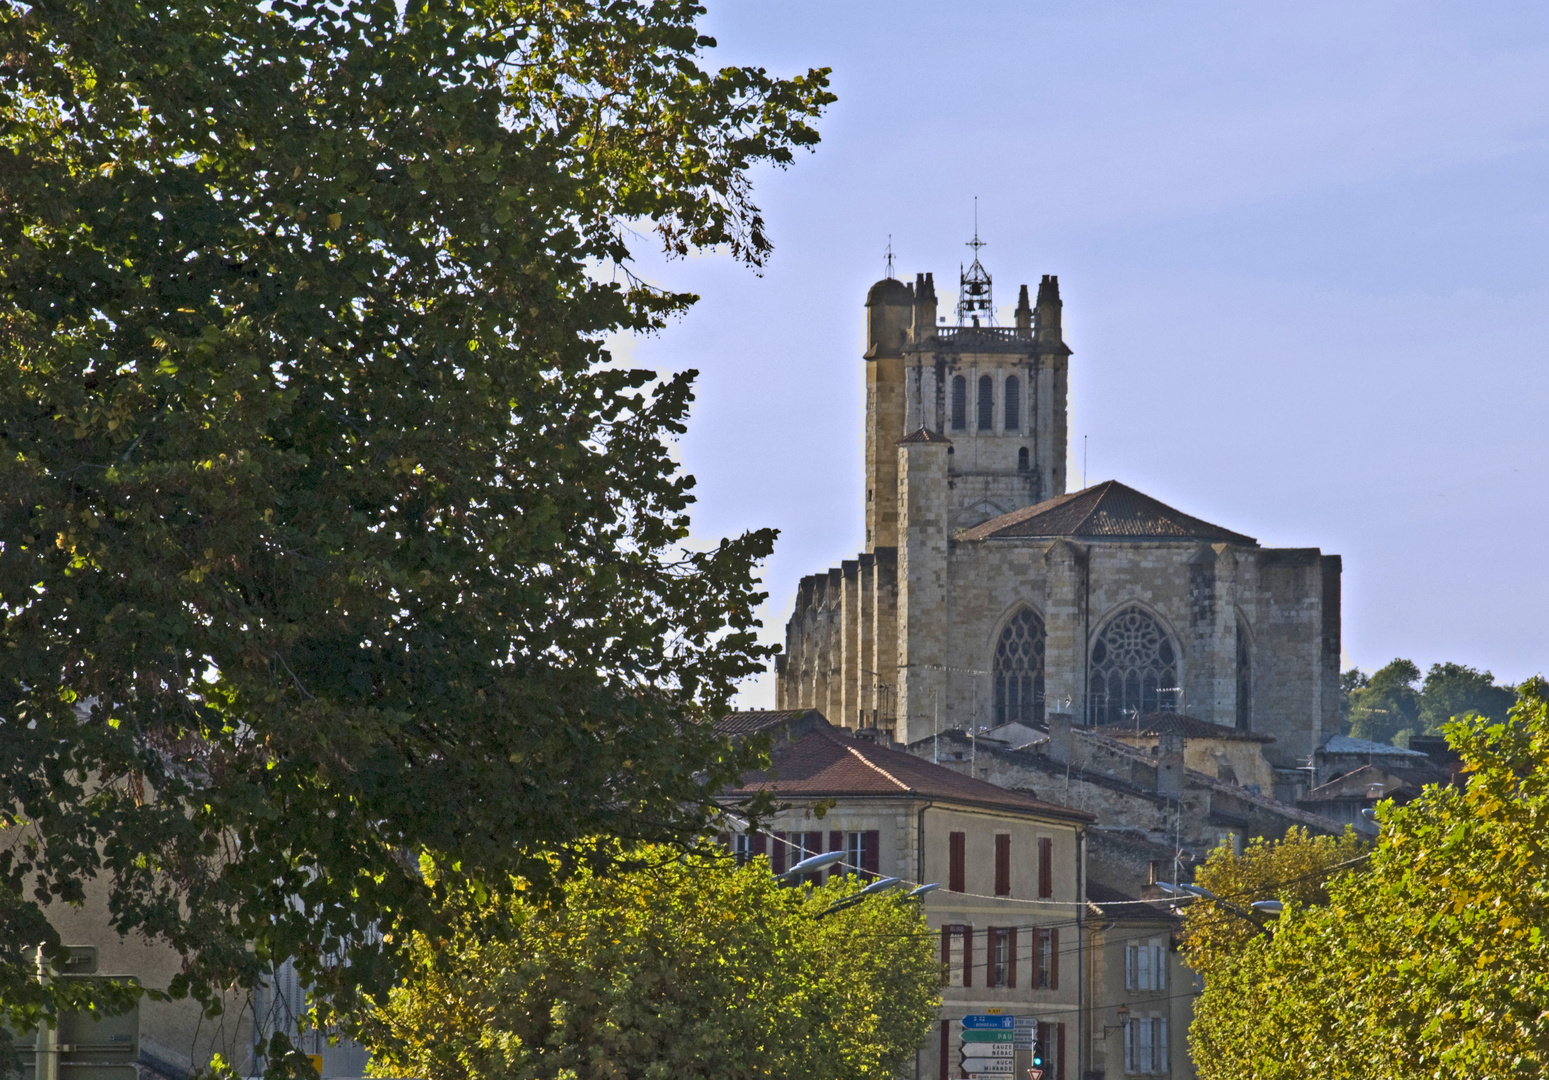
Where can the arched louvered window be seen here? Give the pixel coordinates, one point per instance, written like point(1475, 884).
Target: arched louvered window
point(1019, 669)
point(1022, 459)
point(1244, 679)
point(959, 403)
point(1013, 403)
point(986, 403)
point(1134, 669)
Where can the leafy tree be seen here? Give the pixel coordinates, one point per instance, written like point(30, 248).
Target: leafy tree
point(1429, 959)
point(1387, 704)
point(1455, 690)
point(329, 540)
point(1349, 682)
point(676, 968)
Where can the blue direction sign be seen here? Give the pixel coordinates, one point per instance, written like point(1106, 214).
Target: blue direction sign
point(986, 1022)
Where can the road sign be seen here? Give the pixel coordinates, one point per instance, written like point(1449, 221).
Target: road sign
point(989, 1036)
point(987, 1022)
point(1034, 1074)
point(988, 1066)
point(1027, 1032)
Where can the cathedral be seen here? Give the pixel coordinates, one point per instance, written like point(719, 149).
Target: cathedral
point(987, 594)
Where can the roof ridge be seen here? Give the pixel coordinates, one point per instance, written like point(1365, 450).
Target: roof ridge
point(878, 768)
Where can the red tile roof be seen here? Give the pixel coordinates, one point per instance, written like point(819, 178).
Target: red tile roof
point(827, 762)
point(1107, 511)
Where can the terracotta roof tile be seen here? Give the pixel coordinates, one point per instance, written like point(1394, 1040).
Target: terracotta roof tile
point(1108, 511)
point(826, 762)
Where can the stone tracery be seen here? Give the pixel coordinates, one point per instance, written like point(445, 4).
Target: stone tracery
point(1134, 669)
point(1019, 669)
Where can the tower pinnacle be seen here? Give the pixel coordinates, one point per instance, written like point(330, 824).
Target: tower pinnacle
point(975, 288)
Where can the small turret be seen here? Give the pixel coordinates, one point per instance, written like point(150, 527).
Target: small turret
point(1025, 314)
point(889, 312)
point(924, 306)
point(1047, 331)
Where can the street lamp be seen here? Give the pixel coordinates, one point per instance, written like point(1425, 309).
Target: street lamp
point(813, 863)
point(915, 894)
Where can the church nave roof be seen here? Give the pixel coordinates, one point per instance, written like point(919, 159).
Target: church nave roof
point(1106, 511)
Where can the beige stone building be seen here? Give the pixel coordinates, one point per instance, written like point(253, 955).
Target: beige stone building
point(987, 594)
point(1010, 914)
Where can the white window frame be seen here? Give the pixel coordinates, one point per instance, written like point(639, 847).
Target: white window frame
point(1145, 1045)
point(1145, 965)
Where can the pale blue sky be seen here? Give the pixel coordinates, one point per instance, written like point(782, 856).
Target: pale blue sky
point(1304, 252)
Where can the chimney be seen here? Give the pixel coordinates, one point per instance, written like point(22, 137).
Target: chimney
point(1169, 763)
point(1058, 748)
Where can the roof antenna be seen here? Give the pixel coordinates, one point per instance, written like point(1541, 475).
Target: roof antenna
point(1086, 477)
point(889, 272)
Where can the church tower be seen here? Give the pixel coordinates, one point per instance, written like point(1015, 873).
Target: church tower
point(998, 393)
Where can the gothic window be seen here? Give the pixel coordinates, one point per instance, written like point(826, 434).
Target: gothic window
point(1244, 679)
point(1134, 669)
point(986, 403)
point(1013, 403)
point(1022, 457)
point(959, 403)
point(1019, 669)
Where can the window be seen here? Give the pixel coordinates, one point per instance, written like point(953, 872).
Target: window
point(959, 403)
point(1244, 679)
point(1002, 864)
point(1023, 464)
point(742, 847)
point(986, 403)
point(1018, 668)
point(1134, 669)
point(1045, 867)
point(1145, 966)
point(1013, 403)
point(790, 848)
point(1001, 956)
point(957, 862)
point(1145, 1044)
point(1046, 959)
point(861, 849)
point(957, 955)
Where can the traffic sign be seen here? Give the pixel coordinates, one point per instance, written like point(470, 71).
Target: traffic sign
point(989, 1036)
point(1001, 1066)
point(1034, 1074)
point(987, 1022)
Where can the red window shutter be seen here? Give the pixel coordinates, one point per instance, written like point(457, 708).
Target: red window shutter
point(1002, 864)
point(968, 955)
point(760, 844)
point(1059, 1051)
point(779, 853)
point(957, 860)
point(871, 850)
point(1045, 867)
point(1011, 957)
point(946, 1040)
point(1054, 959)
point(946, 956)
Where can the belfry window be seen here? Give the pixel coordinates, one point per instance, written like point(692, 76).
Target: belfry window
point(959, 403)
point(1019, 669)
point(1134, 669)
point(986, 403)
point(1022, 459)
point(1244, 679)
point(1013, 403)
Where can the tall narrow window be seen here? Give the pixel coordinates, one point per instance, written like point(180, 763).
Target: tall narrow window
point(1002, 864)
point(959, 403)
point(957, 862)
point(1018, 670)
point(1145, 1044)
point(1000, 956)
point(1045, 867)
point(1022, 459)
point(1046, 959)
point(1134, 669)
point(1013, 403)
point(1244, 680)
point(957, 955)
point(986, 403)
point(861, 849)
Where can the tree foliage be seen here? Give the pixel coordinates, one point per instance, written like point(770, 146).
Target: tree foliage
point(1427, 960)
point(678, 967)
point(1457, 690)
point(329, 540)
